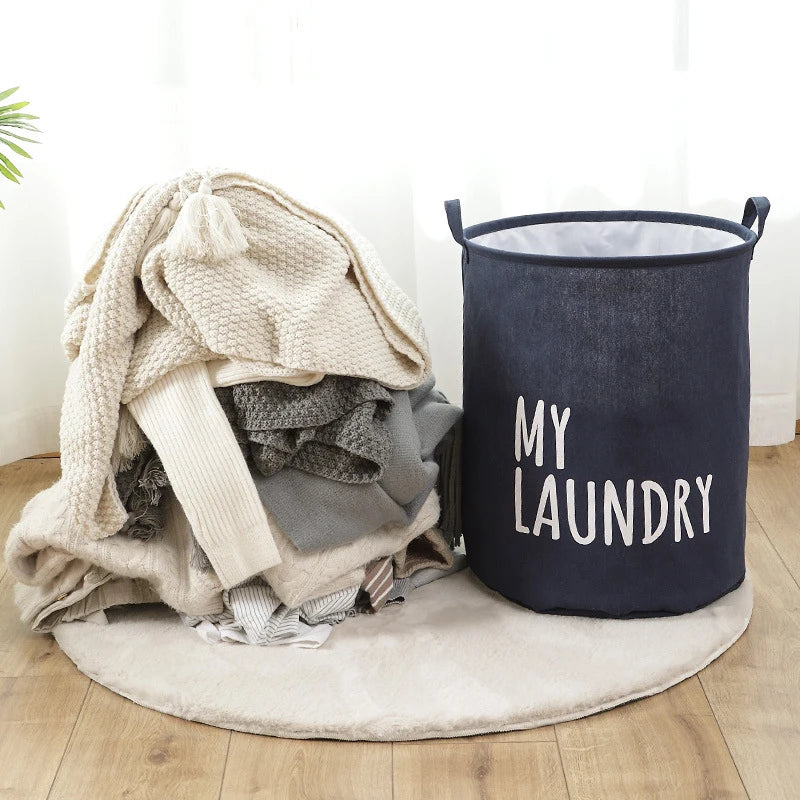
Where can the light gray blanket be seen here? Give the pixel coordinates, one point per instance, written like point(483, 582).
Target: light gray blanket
point(317, 513)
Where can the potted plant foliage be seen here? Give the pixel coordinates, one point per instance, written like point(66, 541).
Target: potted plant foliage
point(12, 121)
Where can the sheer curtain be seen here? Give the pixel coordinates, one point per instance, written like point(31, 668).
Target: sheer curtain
point(382, 113)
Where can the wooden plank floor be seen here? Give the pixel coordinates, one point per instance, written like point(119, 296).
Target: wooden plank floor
point(731, 732)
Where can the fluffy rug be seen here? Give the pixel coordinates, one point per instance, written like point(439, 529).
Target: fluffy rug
point(455, 660)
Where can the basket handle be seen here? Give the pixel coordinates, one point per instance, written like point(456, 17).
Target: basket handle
point(756, 208)
point(453, 210)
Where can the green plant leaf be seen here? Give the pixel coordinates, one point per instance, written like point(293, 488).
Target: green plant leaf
point(14, 107)
point(11, 120)
point(23, 125)
point(9, 165)
point(2, 206)
point(18, 116)
point(15, 147)
point(6, 173)
point(17, 136)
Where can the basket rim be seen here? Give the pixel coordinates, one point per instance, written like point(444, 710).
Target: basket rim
point(748, 236)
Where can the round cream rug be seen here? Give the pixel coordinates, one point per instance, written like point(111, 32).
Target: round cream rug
point(455, 659)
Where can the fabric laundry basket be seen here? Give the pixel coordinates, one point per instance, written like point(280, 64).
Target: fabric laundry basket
point(606, 407)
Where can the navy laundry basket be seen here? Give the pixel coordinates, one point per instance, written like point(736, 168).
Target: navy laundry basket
point(606, 407)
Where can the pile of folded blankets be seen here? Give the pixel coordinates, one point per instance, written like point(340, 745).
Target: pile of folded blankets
point(250, 434)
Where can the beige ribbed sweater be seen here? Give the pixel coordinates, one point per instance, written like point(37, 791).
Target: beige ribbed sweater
point(308, 295)
point(183, 419)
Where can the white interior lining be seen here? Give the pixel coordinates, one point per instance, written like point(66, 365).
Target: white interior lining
point(609, 239)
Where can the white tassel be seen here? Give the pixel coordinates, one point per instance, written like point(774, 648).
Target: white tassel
point(129, 442)
point(206, 228)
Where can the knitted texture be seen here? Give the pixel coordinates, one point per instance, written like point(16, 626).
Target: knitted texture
point(333, 429)
point(309, 295)
point(181, 416)
point(65, 579)
point(140, 488)
point(316, 513)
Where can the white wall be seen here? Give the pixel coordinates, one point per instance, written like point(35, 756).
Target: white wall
point(381, 112)
point(34, 265)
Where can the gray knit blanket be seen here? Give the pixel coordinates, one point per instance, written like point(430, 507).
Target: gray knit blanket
point(333, 428)
point(315, 512)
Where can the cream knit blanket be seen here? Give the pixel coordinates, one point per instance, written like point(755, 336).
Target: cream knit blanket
point(308, 295)
point(60, 581)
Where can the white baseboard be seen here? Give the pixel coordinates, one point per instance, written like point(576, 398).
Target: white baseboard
point(772, 418)
point(26, 433)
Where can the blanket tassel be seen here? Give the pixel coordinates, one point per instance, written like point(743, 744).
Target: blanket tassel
point(206, 229)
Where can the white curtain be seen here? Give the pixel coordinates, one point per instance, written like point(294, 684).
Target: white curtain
point(381, 112)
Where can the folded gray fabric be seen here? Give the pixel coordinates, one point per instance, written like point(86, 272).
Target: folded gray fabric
point(318, 513)
point(333, 428)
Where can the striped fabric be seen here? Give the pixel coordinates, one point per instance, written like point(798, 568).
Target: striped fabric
point(378, 581)
point(253, 613)
point(330, 609)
